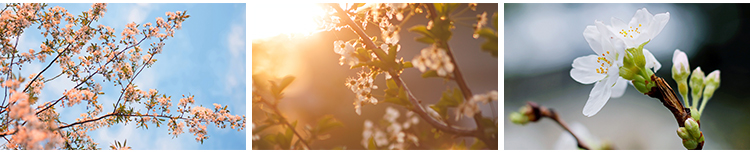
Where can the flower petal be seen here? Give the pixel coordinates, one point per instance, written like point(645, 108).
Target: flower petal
point(680, 61)
point(594, 38)
point(584, 70)
point(651, 61)
point(619, 89)
point(660, 20)
point(597, 99)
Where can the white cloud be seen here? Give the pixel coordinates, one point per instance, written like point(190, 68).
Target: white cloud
point(236, 46)
point(236, 39)
point(139, 12)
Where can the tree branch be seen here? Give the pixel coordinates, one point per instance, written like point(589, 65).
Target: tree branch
point(538, 111)
point(666, 95)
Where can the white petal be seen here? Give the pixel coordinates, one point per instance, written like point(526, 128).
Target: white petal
point(619, 89)
point(651, 61)
point(593, 37)
point(642, 16)
point(584, 70)
point(597, 99)
point(680, 60)
point(713, 76)
point(660, 20)
point(617, 26)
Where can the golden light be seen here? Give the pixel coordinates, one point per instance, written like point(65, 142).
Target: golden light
point(269, 20)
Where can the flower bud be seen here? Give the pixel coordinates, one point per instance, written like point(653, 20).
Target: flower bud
point(683, 133)
point(695, 113)
point(693, 128)
point(680, 66)
point(519, 118)
point(696, 83)
point(689, 144)
point(712, 83)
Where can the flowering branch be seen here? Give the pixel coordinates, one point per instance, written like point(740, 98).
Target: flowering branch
point(666, 95)
point(417, 107)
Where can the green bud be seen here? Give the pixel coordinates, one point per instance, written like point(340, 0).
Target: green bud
point(696, 84)
point(689, 144)
point(695, 113)
point(693, 128)
point(683, 133)
point(626, 74)
point(519, 118)
point(712, 83)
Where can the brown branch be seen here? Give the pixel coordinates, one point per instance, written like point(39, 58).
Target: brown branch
point(538, 111)
point(666, 95)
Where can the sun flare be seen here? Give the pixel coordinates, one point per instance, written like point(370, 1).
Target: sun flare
point(291, 19)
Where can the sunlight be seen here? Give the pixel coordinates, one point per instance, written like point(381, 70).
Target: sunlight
point(291, 19)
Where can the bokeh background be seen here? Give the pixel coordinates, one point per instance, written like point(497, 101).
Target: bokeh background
point(541, 41)
point(319, 88)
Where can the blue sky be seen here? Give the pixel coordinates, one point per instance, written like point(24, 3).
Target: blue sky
point(206, 58)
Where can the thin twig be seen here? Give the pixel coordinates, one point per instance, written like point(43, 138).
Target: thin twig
point(539, 111)
point(286, 122)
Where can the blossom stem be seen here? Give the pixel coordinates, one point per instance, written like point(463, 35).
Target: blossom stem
point(417, 107)
point(666, 95)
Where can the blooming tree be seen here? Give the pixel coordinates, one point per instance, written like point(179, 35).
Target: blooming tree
point(378, 54)
point(621, 59)
point(90, 54)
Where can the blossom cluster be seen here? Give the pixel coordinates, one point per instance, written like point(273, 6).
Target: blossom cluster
point(434, 58)
point(471, 107)
point(362, 87)
point(396, 133)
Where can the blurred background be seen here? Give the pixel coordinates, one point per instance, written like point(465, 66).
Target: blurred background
point(541, 41)
point(319, 88)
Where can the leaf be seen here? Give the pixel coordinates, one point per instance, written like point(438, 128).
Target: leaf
point(327, 123)
point(282, 141)
point(426, 40)
point(260, 128)
point(441, 110)
point(371, 144)
point(421, 29)
point(408, 64)
point(478, 145)
point(286, 81)
point(430, 73)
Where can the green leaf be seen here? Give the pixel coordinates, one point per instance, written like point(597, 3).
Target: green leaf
point(408, 64)
point(478, 145)
point(260, 128)
point(441, 110)
point(327, 123)
point(430, 73)
point(371, 144)
point(426, 40)
point(421, 29)
point(286, 81)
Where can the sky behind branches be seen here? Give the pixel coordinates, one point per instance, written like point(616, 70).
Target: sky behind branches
point(206, 58)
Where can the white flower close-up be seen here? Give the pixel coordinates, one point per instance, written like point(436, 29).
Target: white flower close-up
point(642, 27)
point(601, 68)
